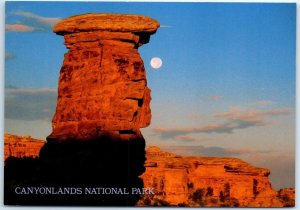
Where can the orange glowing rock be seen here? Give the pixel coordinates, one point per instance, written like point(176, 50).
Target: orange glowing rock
point(21, 146)
point(207, 181)
point(107, 22)
point(102, 84)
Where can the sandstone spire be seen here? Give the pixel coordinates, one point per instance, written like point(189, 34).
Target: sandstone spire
point(102, 85)
point(103, 101)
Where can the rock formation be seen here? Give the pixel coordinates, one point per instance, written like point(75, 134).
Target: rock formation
point(287, 196)
point(102, 85)
point(21, 146)
point(207, 181)
point(103, 101)
point(191, 181)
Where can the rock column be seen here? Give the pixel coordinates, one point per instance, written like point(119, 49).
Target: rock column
point(103, 101)
point(102, 84)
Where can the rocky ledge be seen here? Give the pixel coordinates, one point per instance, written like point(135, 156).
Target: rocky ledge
point(107, 22)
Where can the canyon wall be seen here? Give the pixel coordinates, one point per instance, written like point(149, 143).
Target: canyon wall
point(207, 181)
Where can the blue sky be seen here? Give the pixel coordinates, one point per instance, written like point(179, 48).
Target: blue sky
point(226, 87)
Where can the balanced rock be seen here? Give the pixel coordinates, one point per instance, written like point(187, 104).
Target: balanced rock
point(103, 101)
point(102, 85)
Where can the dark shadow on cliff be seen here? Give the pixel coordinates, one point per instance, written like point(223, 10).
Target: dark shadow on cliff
point(96, 163)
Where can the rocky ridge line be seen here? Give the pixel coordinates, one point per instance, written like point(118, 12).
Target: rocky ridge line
point(209, 181)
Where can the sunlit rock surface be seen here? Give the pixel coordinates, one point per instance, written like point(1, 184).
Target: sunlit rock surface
point(107, 22)
point(206, 181)
point(103, 101)
point(21, 146)
point(102, 84)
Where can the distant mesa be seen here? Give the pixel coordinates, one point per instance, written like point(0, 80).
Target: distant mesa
point(209, 181)
point(21, 146)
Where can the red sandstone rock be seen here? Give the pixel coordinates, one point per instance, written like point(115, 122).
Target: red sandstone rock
point(287, 196)
point(218, 181)
point(106, 22)
point(102, 84)
point(21, 146)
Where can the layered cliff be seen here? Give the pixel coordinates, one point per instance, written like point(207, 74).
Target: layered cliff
point(21, 146)
point(207, 181)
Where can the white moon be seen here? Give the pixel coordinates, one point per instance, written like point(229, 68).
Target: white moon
point(156, 62)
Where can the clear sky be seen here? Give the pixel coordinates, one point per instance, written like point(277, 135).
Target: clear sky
point(226, 86)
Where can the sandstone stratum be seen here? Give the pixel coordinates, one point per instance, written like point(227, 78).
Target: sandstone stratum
point(189, 181)
point(21, 146)
point(210, 182)
point(102, 84)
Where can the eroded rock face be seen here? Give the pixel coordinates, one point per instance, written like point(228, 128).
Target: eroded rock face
point(102, 84)
point(206, 181)
point(21, 146)
point(287, 196)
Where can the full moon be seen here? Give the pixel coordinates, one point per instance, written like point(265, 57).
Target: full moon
point(156, 62)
